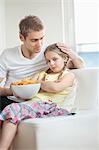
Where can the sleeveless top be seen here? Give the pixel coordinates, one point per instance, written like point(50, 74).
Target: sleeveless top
point(64, 99)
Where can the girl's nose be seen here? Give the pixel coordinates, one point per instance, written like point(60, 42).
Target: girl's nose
point(51, 62)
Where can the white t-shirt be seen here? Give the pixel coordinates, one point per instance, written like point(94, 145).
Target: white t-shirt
point(14, 66)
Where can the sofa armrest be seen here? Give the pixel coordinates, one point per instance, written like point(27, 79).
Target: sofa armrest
point(78, 132)
point(87, 92)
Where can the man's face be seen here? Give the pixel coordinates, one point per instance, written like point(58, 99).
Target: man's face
point(34, 41)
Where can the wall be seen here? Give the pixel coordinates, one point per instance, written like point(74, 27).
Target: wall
point(69, 24)
point(48, 11)
point(2, 25)
point(54, 14)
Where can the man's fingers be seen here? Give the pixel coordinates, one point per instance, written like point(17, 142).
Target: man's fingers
point(63, 47)
point(60, 44)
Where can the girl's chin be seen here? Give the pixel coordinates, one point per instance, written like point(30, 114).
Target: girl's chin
point(56, 71)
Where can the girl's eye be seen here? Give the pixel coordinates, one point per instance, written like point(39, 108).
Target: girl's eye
point(47, 61)
point(54, 59)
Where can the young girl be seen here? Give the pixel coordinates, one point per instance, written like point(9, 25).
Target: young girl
point(57, 84)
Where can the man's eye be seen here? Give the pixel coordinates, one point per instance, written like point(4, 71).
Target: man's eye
point(33, 41)
point(42, 38)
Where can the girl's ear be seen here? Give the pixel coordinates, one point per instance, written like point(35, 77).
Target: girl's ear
point(66, 58)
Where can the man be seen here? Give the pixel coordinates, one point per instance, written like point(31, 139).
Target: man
point(27, 59)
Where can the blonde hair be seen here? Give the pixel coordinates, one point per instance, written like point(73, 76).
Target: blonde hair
point(54, 48)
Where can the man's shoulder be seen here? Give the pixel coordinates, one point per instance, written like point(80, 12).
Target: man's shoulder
point(12, 49)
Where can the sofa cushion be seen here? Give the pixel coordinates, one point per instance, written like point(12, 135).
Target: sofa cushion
point(87, 91)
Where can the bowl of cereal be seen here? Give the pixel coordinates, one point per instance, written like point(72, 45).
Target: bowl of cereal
point(25, 89)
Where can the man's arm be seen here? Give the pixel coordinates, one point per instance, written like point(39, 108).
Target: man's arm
point(1, 80)
point(75, 61)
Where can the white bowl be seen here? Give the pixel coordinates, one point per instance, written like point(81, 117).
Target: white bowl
point(25, 91)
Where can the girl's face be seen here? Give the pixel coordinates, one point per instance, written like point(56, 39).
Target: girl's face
point(54, 61)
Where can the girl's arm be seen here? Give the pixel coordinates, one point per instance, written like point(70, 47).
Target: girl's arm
point(63, 83)
point(39, 76)
point(34, 77)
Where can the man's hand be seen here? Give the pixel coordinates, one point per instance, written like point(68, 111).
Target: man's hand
point(75, 61)
point(67, 50)
point(5, 91)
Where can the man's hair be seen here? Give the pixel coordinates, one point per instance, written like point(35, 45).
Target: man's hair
point(29, 24)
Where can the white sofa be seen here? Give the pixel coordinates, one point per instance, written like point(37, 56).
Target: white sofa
point(78, 132)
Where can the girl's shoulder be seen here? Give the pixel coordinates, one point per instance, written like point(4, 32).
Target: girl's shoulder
point(42, 75)
point(67, 74)
point(66, 71)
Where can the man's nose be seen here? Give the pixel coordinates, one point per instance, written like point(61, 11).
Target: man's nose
point(39, 43)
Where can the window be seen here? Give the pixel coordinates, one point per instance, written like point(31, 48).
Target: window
point(87, 30)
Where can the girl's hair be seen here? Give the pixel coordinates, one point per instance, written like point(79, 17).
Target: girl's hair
point(29, 24)
point(54, 48)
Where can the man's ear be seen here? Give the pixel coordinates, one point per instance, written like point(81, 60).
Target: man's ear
point(21, 37)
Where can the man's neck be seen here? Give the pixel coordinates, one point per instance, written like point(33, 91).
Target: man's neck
point(26, 53)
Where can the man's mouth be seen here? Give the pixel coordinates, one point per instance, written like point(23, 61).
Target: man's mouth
point(37, 50)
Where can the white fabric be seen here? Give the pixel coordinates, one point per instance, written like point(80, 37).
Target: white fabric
point(78, 132)
point(87, 91)
point(15, 66)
